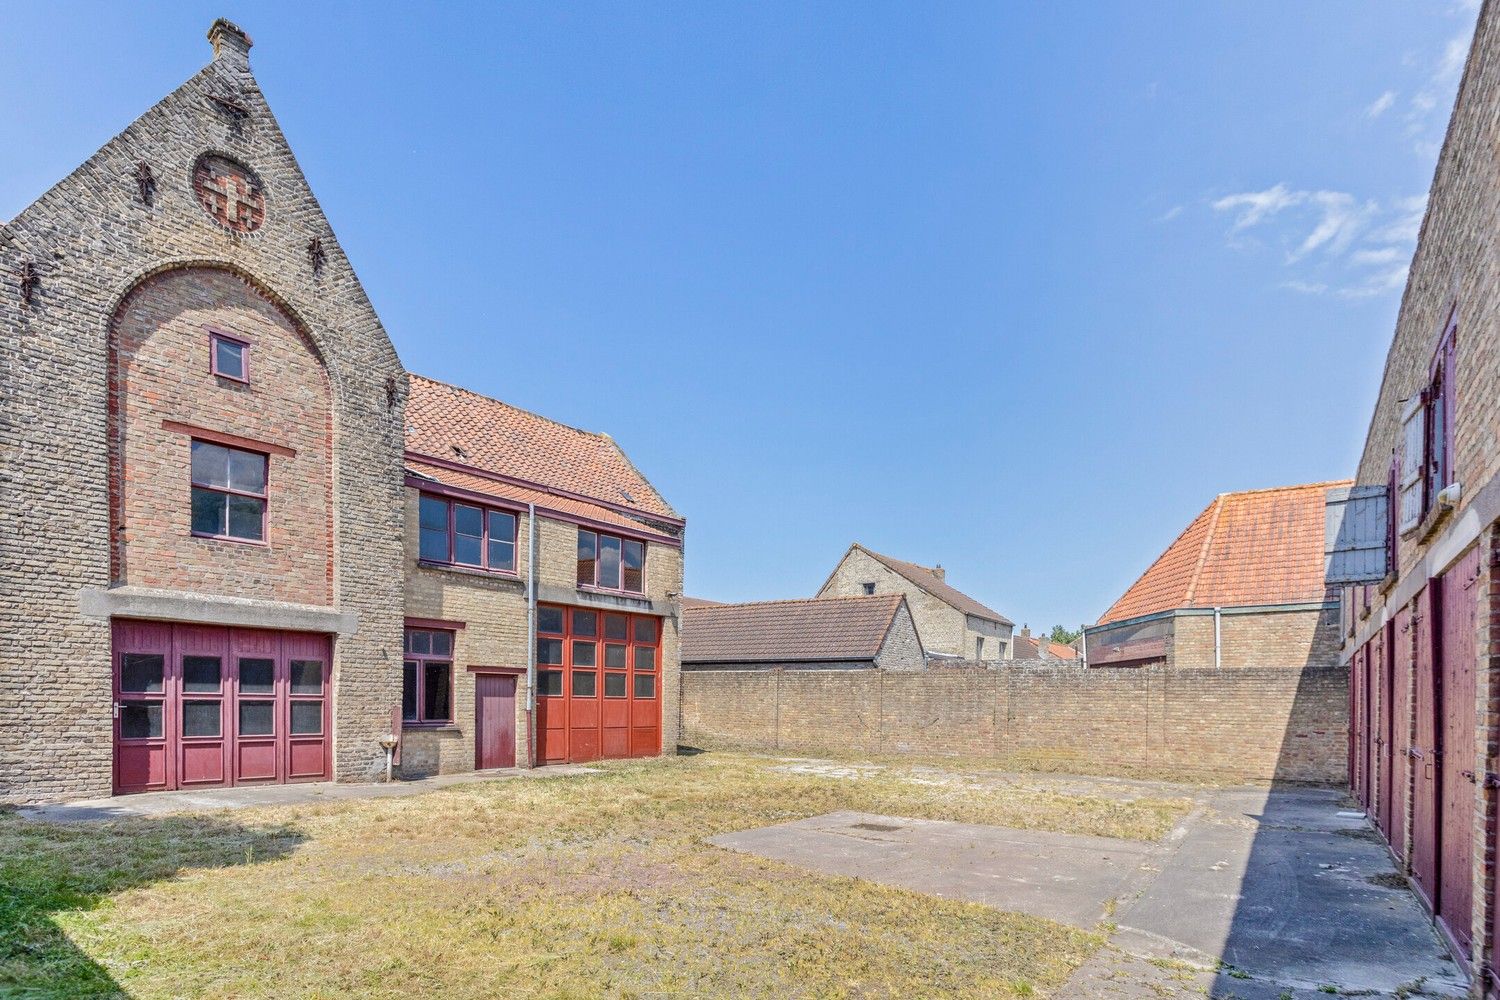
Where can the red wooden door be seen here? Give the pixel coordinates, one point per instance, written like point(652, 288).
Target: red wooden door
point(306, 710)
point(1425, 820)
point(1357, 726)
point(203, 747)
point(1385, 776)
point(1457, 653)
point(597, 685)
point(204, 705)
point(494, 720)
point(1399, 636)
point(144, 711)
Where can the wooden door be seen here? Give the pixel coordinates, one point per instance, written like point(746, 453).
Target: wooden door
point(258, 727)
point(1426, 775)
point(1399, 635)
point(1456, 656)
point(1385, 775)
point(199, 653)
point(307, 712)
point(144, 711)
point(494, 720)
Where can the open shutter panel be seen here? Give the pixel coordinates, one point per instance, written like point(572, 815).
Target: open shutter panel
point(1413, 460)
point(1355, 527)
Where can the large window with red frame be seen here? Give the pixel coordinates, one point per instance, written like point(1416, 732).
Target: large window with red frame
point(228, 492)
point(611, 562)
point(466, 534)
point(427, 677)
point(584, 653)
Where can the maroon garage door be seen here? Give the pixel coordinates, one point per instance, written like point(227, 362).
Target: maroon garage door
point(204, 705)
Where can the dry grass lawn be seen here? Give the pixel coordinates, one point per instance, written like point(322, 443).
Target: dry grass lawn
point(583, 886)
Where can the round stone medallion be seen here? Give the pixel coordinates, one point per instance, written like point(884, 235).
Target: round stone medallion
point(230, 192)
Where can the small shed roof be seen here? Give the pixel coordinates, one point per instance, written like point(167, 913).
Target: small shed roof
point(820, 629)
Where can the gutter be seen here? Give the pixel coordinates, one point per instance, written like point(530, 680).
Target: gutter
point(531, 637)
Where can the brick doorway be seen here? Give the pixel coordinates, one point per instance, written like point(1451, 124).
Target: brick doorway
point(199, 706)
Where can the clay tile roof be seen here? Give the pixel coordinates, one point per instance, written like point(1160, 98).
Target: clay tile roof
point(444, 421)
point(929, 581)
point(700, 602)
point(1255, 547)
point(828, 628)
point(1024, 648)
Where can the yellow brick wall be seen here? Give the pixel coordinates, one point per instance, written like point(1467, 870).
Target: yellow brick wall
point(493, 609)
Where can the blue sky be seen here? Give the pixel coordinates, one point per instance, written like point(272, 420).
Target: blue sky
point(1017, 288)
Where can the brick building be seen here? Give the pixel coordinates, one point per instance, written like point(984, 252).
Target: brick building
point(1242, 586)
point(1418, 542)
point(213, 499)
point(1025, 646)
point(835, 633)
point(952, 624)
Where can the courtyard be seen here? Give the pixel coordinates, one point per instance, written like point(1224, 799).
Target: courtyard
point(718, 875)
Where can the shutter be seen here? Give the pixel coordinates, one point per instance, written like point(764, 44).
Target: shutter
point(1354, 536)
point(1413, 460)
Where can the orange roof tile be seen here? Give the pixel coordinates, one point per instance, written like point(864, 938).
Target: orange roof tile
point(815, 629)
point(1254, 547)
point(447, 422)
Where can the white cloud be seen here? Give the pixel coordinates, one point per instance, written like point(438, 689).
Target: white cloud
point(1256, 206)
point(1384, 255)
point(1170, 214)
point(1338, 244)
point(1381, 104)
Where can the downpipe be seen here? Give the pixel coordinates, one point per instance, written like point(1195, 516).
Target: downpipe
point(531, 636)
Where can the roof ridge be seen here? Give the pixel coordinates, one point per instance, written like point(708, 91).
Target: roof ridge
point(1204, 549)
point(874, 598)
point(1284, 489)
point(599, 435)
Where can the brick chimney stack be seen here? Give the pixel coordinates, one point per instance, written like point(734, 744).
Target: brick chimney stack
point(1025, 631)
point(939, 572)
point(230, 41)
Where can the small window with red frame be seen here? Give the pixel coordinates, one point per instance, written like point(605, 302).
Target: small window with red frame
point(229, 357)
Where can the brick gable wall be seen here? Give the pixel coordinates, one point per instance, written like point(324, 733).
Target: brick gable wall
point(90, 240)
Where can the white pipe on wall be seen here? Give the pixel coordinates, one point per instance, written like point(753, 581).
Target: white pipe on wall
point(1218, 617)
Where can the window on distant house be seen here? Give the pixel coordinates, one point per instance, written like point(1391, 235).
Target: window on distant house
point(466, 534)
point(869, 588)
point(427, 677)
point(229, 357)
point(611, 563)
point(228, 492)
point(1427, 436)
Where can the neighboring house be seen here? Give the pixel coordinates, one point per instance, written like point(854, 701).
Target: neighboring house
point(1026, 646)
point(1417, 543)
point(953, 625)
point(841, 633)
point(1242, 586)
point(224, 516)
point(608, 559)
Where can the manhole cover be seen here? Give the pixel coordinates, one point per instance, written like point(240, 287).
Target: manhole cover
point(877, 827)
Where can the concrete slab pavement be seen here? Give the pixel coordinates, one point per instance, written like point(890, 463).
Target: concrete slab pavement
point(249, 796)
point(1067, 878)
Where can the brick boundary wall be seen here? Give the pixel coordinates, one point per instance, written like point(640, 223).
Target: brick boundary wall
point(1250, 723)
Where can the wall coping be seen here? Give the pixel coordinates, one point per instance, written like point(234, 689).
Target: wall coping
point(210, 609)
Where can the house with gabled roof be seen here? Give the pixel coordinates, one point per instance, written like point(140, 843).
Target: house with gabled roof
point(952, 624)
point(1242, 586)
point(841, 633)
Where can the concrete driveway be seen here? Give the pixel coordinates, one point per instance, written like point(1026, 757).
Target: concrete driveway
point(1258, 893)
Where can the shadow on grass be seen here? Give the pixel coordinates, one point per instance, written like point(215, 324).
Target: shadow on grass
point(51, 868)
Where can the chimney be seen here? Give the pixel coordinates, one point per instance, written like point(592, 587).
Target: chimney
point(1025, 631)
point(939, 572)
point(230, 41)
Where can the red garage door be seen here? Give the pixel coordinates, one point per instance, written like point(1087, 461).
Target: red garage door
point(1457, 653)
point(204, 705)
point(598, 685)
